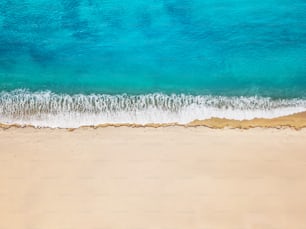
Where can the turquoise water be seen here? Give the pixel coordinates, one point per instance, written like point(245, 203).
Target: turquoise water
point(61, 52)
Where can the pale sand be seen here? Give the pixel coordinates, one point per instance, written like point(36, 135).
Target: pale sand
point(146, 178)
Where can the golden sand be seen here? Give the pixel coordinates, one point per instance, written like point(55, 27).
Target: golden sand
point(296, 121)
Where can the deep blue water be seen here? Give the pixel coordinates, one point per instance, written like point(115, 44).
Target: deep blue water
point(199, 47)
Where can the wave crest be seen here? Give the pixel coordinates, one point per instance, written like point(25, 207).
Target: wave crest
point(49, 109)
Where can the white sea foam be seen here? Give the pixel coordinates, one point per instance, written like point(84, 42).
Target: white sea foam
point(47, 109)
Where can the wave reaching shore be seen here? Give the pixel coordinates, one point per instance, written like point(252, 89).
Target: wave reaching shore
point(48, 109)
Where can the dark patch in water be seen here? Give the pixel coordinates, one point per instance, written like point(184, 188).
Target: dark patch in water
point(179, 11)
point(41, 55)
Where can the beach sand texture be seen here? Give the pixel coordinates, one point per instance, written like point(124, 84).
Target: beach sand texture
point(152, 178)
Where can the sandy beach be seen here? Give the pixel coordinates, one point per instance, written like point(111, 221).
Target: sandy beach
point(159, 178)
point(158, 114)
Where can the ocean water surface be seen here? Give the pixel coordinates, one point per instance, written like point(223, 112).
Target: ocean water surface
point(68, 63)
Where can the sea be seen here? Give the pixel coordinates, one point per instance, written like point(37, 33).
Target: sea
point(72, 63)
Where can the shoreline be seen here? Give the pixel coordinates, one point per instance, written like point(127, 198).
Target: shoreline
point(295, 121)
point(48, 109)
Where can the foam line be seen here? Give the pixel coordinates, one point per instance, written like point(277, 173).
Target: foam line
point(48, 109)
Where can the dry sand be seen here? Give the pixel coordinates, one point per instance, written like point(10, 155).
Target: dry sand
point(152, 178)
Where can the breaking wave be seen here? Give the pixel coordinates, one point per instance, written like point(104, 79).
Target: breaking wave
point(48, 109)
